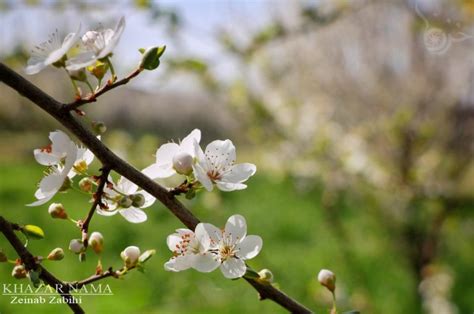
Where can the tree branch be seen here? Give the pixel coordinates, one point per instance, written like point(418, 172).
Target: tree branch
point(93, 97)
point(61, 112)
point(7, 228)
point(84, 225)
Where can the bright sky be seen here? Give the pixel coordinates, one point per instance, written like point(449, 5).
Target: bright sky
point(201, 21)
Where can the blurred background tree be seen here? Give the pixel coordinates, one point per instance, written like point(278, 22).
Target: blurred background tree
point(361, 124)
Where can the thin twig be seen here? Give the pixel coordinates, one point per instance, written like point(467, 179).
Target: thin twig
point(108, 273)
point(110, 85)
point(7, 228)
point(84, 225)
point(61, 112)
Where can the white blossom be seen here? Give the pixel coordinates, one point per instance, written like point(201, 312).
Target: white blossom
point(216, 166)
point(98, 44)
point(64, 159)
point(64, 149)
point(188, 252)
point(209, 247)
point(50, 51)
point(125, 190)
point(172, 158)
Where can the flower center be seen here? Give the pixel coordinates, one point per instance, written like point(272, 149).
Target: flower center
point(226, 252)
point(214, 174)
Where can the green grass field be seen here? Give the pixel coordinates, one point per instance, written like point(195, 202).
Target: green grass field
point(298, 242)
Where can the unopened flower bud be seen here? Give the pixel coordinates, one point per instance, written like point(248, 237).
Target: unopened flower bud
point(130, 256)
point(76, 246)
point(96, 242)
point(138, 200)
point(56, 255)
point(183, 163)
point(57, 210)
point(86, 184)
point(266, 275)
point(125, 202)
point(3, 257)
point(19, 272)
point(99, 127)
point(327, 279)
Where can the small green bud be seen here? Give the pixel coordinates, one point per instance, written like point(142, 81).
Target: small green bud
point(151, 57)
point(19, 272)
point(33, 232)
point(86, 184)
point(146, 256)
point(190, 194)
point(57, 210)
point(96, 242)
point(125, 202)
point(130, 256)
point(138, 200)
point(98, 127)
point(56, 255)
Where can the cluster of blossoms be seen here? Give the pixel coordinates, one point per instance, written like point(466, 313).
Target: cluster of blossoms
point(97, 45)
point(215, 166)
point(209, 247)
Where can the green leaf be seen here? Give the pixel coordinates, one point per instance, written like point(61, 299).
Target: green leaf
point(33, 232)
point(151, 58)
point(142, 50)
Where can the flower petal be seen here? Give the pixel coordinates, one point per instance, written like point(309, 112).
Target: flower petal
point(233, 268)
point(35, 65)
point(201, 176)
point(113, 40)
point(46, 159)
point(81, 61)
point(166, 152)
point(187, 144)
point(157, 171)
point(179, 263)
point(126, 186)
point(221, 154)
point(236, 228)
point(227, 187)
point(60, 142)
point(133, 215)
point(103, 212)
point(173, 240)
point(205, 262)
point(202, 236)
point(208, 235)
point(249, 247)
point(239, 173)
